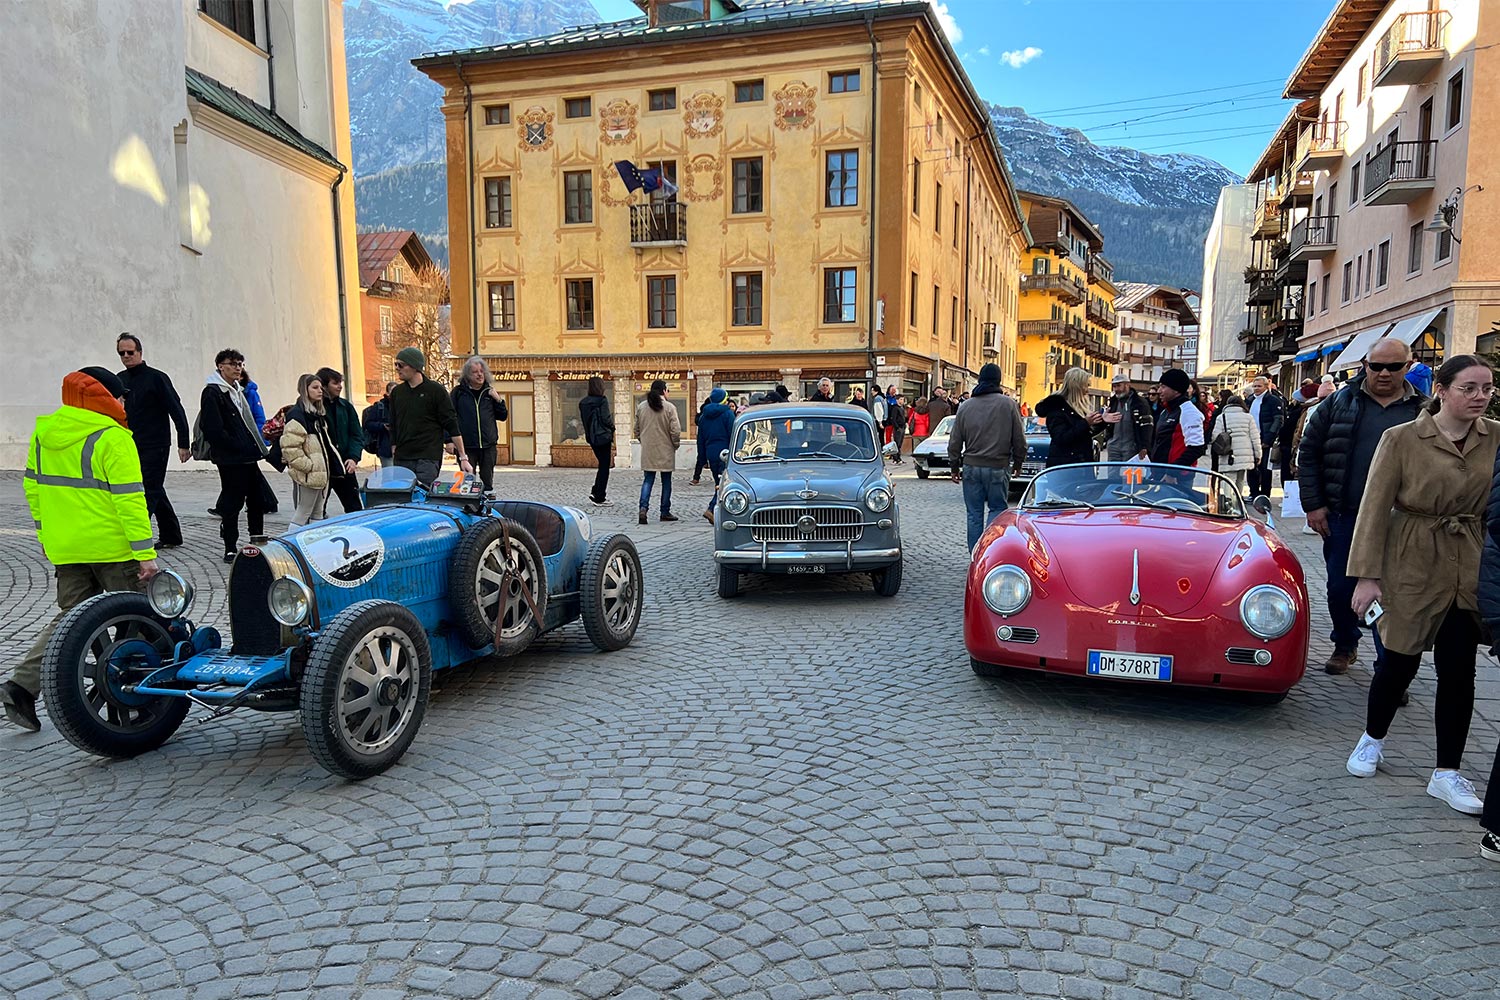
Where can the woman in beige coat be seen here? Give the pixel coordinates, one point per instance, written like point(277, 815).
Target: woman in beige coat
point(1245, 450)
point(307, 449)
point(1415, 551)
point(659, 432)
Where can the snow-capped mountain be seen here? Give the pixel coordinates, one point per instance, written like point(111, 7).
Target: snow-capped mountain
point(1153, 210)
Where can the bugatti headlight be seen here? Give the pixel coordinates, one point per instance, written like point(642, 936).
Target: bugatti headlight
point(878, 499)
point(170, 595)
point(1006, 589)
point(290, 601)
point(736, 501)
point(1267, 612)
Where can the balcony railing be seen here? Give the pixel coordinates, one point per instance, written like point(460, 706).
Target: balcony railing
point(1399, 173)
point(1314, 236)
point(1410, 48)
point(1262, 282)
point(1061, 285)
point(1065, 332)
point(1268, 218)
point(1295, 186)
point(658, 224)
point(1320, 145)
point(1100, 313)
point(1100, 269)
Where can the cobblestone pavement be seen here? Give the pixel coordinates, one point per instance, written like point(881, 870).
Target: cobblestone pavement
point(801, 793)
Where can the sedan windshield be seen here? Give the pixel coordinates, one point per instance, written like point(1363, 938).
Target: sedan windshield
point(794, 438)
point(1141, 485)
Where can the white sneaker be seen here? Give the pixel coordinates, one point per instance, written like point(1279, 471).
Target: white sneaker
point(1456, 790)
point(1366, 756)
point(1307, 529)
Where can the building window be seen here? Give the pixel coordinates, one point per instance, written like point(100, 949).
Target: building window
point(1363, 87)
point(1444, 249)
point(497, 203)
point(502, 305)
point(1348, 277)
point(1456, 100)
point(916, 187)
point(668, 168)
point(1359, 273)
point(940, 123)
point(911, 306)
point(747, 299)
point(580, 303)
point(497, 114)
point(749, 91)
point(838, 294)
point(1041, 265)
point(1327, 284)
point(749, 193)
point(1312, 297)
point(578, 196)
point(578, 107)
point(661, 301)
point(387, 327)
point(1369, 269)
point(953, 322)
point(1353, 186)
point(916, 93)
point(841, 174)
point(937, 305)
point(846, 82)
point(236, 15)
point(662, 100)
point(1414, 249)
point(937, 208)
point(1383, 264)
point(955, 224)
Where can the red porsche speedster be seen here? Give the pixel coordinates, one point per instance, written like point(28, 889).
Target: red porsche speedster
point(1140, 572)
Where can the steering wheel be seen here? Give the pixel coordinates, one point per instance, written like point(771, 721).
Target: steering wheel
point(843, 449)
point(1181, 503)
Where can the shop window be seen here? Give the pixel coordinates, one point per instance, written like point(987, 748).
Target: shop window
point(678, 397)
point(567, 424)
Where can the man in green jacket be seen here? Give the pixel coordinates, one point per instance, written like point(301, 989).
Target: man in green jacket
point(88, 500)
point(348, 437)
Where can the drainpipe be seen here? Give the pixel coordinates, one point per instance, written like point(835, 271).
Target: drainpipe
point(458, 65)
point(270, 62)
point(874, 181)
point(968, 237)
point(338, 270)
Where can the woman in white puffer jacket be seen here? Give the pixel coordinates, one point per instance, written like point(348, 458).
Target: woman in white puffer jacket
point(1245, 451)
point(308, 451)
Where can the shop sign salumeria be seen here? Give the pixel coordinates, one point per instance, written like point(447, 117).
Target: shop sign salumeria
point(556, 376)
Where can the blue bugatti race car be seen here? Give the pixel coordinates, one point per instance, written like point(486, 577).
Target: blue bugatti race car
point(343, 621)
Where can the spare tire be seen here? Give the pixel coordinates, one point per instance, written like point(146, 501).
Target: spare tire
point(498, 586)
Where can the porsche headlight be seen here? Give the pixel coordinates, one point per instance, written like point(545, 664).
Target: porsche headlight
point(1267, 612)
point(170, 595)
point(1006, 589)
point(290, 601)
point(736, 501)
point(878, 499)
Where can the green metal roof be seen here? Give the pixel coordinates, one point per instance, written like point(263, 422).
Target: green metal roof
point(242, 109)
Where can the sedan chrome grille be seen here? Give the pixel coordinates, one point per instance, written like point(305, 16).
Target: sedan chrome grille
point(807, 524)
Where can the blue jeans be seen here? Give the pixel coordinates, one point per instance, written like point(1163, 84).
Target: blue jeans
point(984, 485)
point(715, 466)
point(1346, 625)
point(649, 481)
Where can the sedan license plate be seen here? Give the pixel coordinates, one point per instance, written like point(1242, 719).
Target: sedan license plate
point(1131, 666)
point(814, 568)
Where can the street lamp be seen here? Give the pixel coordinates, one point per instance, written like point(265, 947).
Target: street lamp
point(1447, 212)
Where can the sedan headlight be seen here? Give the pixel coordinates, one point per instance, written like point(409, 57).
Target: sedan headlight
point(170, 595)
point(1006, 589)
point(736, 501)
point(878, 499)
point(1267, 612)
point(290, 601)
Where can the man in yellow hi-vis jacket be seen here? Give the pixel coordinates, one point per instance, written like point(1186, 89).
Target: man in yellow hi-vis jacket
point(83, 483)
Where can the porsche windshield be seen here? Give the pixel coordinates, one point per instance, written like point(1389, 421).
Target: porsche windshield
point(1140, 485)
point(795, 438)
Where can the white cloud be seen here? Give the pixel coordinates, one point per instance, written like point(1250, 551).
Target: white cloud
point(984, 50)
point(949, 22)
point(1017, 58)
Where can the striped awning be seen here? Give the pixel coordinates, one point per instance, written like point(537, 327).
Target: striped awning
point(1328, 349)
point(1308, 355)
point(1408, 330)
point(1359, 346)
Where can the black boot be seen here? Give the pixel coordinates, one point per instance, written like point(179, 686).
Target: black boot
point(20, 706)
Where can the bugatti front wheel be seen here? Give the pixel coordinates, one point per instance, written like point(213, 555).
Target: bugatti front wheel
point(364, 691)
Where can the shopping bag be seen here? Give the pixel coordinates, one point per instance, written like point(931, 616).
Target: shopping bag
point(1291, 501)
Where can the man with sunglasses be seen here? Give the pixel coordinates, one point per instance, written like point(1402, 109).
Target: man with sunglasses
point(153, 409)
point(1338, 447)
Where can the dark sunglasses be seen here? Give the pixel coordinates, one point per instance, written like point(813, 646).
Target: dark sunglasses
point(1386, 366)
point(124, 354)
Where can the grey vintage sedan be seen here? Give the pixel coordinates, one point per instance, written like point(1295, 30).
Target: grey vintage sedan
point(932, 454)
point(805, 491)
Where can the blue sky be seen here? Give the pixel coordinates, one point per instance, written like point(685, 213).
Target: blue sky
point(1095, 64)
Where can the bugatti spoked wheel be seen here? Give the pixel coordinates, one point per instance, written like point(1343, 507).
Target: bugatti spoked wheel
point(365, 688)
point(97, 649)
point(499, 586)
point(729, 582)
point(611, 591)
point(888, 581)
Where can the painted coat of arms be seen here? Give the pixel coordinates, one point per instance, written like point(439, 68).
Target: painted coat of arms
point(795, 104)
point(535, 126)
point(617, 121)
point(703, 115)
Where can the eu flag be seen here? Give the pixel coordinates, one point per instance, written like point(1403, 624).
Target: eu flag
point(637, 179)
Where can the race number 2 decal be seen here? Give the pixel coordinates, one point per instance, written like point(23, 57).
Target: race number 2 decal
point(344, 555)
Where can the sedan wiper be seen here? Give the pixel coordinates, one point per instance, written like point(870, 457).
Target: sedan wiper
point(822, 454)
point(760, 458)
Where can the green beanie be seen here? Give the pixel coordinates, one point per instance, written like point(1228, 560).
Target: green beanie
point(413, 357)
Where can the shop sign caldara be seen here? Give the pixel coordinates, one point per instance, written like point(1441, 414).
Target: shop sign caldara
point(676, 381)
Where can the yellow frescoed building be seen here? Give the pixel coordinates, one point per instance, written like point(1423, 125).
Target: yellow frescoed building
point(1067, 301)
point(837, 205)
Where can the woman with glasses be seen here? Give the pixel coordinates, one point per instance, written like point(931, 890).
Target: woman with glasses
point(236, 446)
point(1415, 554)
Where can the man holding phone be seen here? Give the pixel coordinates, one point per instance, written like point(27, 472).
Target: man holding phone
point(1129, 421)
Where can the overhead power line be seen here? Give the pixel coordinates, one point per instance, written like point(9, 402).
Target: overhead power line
point(1158, 97)
point(1199, 142)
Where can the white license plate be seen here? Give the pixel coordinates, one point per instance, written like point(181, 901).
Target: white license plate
point(1131, 666)
point(813, 568)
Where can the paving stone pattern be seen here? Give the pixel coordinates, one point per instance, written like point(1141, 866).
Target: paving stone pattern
point(804, 792)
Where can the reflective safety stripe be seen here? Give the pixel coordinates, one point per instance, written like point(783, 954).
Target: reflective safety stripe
point(140, 546)
point(86, 484)
point(86, 458)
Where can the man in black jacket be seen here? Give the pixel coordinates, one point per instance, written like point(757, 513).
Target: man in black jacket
point(1266, 412)
point(153, 409)
point(376, 424)
point(237, 448)
point(480, 408)
point(1333, 466)
point(348, 437)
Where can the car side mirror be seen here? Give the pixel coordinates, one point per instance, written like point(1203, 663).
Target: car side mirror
point(1262, 504)
point(724, 456)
